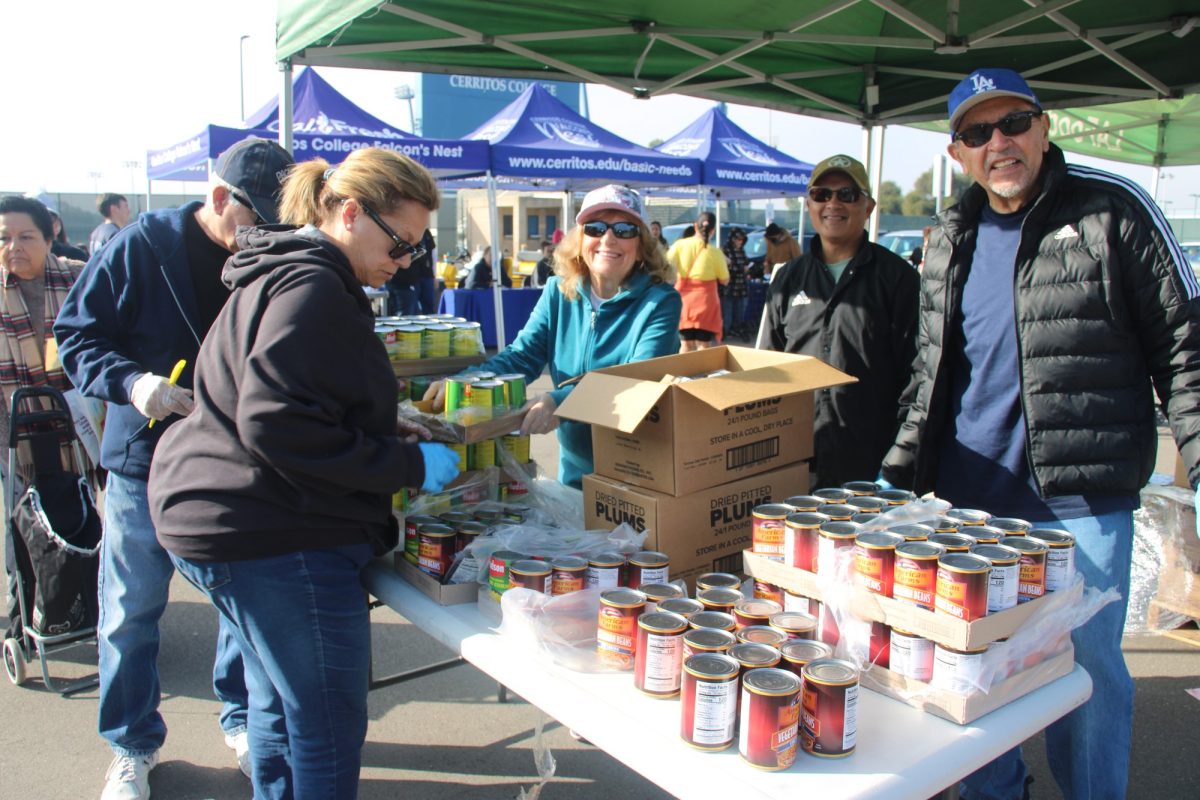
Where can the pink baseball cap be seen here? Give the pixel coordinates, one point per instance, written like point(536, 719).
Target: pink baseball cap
point(611, 198)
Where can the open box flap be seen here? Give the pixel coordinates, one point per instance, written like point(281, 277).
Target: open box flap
point(778, 380)
point(612, 401)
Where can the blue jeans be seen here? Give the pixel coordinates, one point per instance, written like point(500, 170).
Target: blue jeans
point(403, 301)
point(426, 290)
point(303, 625)
point(135, 575)
point(1088, 750)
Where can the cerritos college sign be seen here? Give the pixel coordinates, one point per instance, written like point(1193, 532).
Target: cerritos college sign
point(451, 106)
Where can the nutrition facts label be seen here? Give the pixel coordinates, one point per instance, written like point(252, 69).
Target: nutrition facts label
point(850, 720)
point(716, 704)
point(664, 658)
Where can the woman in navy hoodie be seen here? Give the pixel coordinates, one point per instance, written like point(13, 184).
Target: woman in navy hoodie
point(611, 302)
point(274, 493)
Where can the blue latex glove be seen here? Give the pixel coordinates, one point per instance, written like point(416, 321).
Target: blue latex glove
point(441, 465)
point(884, 483)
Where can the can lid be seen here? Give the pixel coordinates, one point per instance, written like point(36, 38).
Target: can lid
point(719, 580)
point(772, 510)
point(507, 555)
point(753, 654)
point(711, 666)
point(866, 503)
point(831, 671)
point(944, 524)
point(684, 606)
point(439, 326)
point(623, 598)
point(710, 638)
point(920, 549)
point(879, 540)
point(649, 558)
point(804, 650)
point(511, 376)
point(757, 607)
point(1025, 544)
point(997, 553)
point(472, 527)
point(489, 383)
point(803, 502)
point(897, 497)
point(986, 533)
point(435, 529)
point(420, 519)
point(455, 516)
point(838, 512)
point(573, 563)
point(771, 681)
point(711, 619)
point(912, 531)
point(839, 529)
point(861, 488)
point(1052, 536)
point(720, 597)
point(969, 516)
point(964, 562)
point(529, 566)
point(807, 519)
point(762, 634)
point(833, 494)
point(793, 621)
point(660, 591)
point(1010, 524)
point(953, 541)
point(606, 560)
point(662, 621)
point(466, 325)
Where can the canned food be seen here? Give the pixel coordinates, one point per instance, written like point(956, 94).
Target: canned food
point(916, 573)
point(766, 531)
point(720, 599)
point(798, 602)
point(804, 502)
point(865, 503)
point(417, 386)
point(408, 342)
point(954, 542)
point(498, 567)
point(466, 533)
point(761, 634)
point(944, 524)
point(1060, 559)
point(800, 539)
point(484, 399)
point(962, 586)
point(616, 630)
point(751, 611)
point(913, 531)
point(457, 388)
point(833, 495)
point(875, 560)
point(604, 570)
point(569, 574)
point(435, 341)
point(1011, 525)
point(530, 574)
point(986, 534)
point(770, 714)
point(768, 591)
point(897, 497)
point(657, 592)
point(658, 657)
point(514, 389)
point(387, 336)
point(863, 517)
point(481, 454)
point(795, 624)
point(968, 516)
point(861, 488)
point(707, 640)
point(466, 338)
point(958, 671)
point(751, 655)
point(1005, 577)
point(464, 454)
point(794, 654)
point(648, 566)
point(453, 518)
point(835, 537)
point(838, 512)
point(712, 619)
point(911, 656)
point(517, 446)
point(708, 701)
point(879, 644)
point(827, 626)
point(683, 606)
point(1033, 566)
point(718, 580)
point(435, 549)
point(412, 542)
point(829, 708)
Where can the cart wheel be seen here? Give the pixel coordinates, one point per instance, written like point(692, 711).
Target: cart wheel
point(14, 661)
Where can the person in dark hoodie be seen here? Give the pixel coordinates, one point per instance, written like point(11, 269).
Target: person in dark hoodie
point(275, 492)
point(142, 304)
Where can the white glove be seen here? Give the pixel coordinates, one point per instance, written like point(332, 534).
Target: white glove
point(156, 398)
point(539, 415)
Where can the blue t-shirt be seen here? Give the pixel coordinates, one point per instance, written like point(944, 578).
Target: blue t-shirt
point(983, 460)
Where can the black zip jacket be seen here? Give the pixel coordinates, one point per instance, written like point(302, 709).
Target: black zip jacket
point(293, 443)
point(1106, 318)
point(866, 326)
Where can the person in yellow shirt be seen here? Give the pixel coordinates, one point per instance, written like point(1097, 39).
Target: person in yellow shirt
point(700, 266)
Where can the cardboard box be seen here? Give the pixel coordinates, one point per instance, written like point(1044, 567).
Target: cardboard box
point(967, 708)
point(444, 430)
point(679, 438)
point(867, 605)
point(701, 532)
point(450, 594)
point(436, 366)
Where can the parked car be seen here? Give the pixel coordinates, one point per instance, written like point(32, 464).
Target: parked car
point(902, 243)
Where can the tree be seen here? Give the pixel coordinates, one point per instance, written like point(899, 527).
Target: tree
point(889, 198)
point(923, 186)
point(655, 143)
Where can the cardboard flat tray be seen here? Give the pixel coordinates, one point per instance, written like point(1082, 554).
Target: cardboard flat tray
point(867, 605)
point(966, 708)
point(436, 366)
point(443, 594)
point(444, 430)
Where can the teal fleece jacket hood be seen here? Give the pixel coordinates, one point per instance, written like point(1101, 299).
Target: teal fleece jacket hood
point(641, 321)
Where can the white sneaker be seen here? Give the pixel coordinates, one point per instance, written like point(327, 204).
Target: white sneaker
point(240, 744)
point(128, 777)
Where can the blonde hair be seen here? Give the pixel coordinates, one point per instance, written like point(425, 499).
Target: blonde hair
point(570, 267)
point(380, 179)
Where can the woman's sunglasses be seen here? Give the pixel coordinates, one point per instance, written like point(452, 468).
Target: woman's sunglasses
point(1012, 125)
point(845, 194)
point(402, 247)
point(622, 230)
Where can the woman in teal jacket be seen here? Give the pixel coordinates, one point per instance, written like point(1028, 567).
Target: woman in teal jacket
point(612, 301)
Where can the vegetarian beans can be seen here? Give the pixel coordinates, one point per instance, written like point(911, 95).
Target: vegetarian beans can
point(658, 656)
point(897, 497)
point(761, 634)
point(708, 701)
point(958, 671)
point(768, 591)
point(829, 708)
point(861, 488)
point(648, 566)
point(804, 502)
point(750, 611)
point(870, 504)
point(1033, 566)
point(913, 531)
point(766, 531)
point(712, 619)
point(795, 624)
point(1012, 526)
point(875, 560)
point(435, 549)
point(968, 516)
point(683, 606)
point(986, 534)
point(916, 573)
point(962, 586)
point(800, 537)
point(657, 592)
point(1060, 559)
point(568, 574)
point(911, 655)
point(838, 512)
point(616, 630)
point(530, 574)
point(958, 542)
point(604, 570)
point(1005, 578)
point(795, 654)
point(770, 714)
point(718, 580)
point(833, 494)
point(836, 537)
point(707, 640)
point(720, 599)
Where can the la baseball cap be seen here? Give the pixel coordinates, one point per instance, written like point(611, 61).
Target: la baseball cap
point(984, 84)
point(612, 197)
point(256, 168)
point(851, 167)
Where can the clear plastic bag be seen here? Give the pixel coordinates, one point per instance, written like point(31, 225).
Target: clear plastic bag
point(1164, 586)
point(544, 541)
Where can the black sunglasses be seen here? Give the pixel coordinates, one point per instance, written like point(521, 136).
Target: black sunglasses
point(242, 200)
point(845, 194)
point(1012, 125)
point(622, 230)
point(402, 247)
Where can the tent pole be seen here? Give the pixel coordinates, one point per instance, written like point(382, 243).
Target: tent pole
point(717, 203)
point(566, 220)
point(149, 191)
point(876, 174)
point(497, 259)
point(801, 221)
point(1155, 177)
point(285, 106)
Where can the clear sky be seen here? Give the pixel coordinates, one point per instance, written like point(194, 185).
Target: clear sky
point(92, 86)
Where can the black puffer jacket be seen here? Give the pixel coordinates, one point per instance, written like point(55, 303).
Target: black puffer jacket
point(1106, 316)
point(865, 325)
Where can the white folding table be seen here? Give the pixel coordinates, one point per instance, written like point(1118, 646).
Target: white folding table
point(902, 751)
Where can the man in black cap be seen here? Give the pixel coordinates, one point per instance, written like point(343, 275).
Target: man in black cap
point(142, 306)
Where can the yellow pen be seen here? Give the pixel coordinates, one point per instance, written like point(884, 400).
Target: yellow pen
point(176, 371)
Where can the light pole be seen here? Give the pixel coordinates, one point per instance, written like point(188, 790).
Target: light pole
point(242, 73)
point(405, 92)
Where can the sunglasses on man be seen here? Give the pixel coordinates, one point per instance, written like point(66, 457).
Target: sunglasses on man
point(244, 201)
point(402, 247)
point(622, 230)
point(1013, 124)
point(845, 194)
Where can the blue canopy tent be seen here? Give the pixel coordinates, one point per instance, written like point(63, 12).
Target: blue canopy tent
point(327, 125)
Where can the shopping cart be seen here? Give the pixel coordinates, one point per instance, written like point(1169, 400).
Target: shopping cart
point(54, 538)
